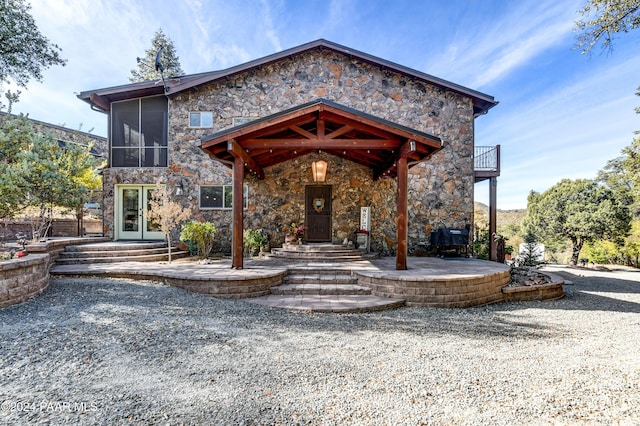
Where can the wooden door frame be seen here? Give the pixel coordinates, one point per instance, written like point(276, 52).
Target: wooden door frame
point(307, 208)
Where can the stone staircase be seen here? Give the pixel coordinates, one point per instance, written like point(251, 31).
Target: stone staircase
point(118, 251)
point(324, 288)
point(320, 281)
point(320, 252)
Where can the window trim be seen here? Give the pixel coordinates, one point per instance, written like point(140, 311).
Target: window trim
point(224, 185)
point(200, 120)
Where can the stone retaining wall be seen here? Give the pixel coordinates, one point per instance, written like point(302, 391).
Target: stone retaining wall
point(551, 291)
point(28, 277)
point(22, 279)
point(440, 293)
point(231, 289)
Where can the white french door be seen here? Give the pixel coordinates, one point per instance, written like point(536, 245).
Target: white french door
point(132, 223)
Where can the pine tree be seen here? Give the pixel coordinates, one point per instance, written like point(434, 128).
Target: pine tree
point(147, 65)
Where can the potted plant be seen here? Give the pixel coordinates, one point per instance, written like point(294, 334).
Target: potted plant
point(362, 237)
point(254, 240)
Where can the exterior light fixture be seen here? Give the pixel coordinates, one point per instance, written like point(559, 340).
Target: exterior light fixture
point(179, 188)
point(319, 169)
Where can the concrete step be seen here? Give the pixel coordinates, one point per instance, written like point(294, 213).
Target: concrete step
point(159, 257)
point(327, 304)
point(116, 246)
point(125, 252)
point(319, 278)
point(321, 289)
point(319, 247)
point(319, 257)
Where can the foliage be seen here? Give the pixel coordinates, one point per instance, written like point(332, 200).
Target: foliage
point(581, 211)
point(147, 66)
point(529, 256)
point(602, 252)
point(622, 174)
point(630, 250)
point(481, 241)
point(24, 51)
point(165, 213)
point(200, 233)
point(254, 239)
point(38, 173)
point(601, 19)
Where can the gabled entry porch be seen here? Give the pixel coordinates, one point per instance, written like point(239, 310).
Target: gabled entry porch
point(388, 149)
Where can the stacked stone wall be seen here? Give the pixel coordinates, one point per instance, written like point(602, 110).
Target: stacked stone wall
point(440, 189)
point(22, 279)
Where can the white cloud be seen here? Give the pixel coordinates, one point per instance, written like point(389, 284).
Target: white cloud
point(491, 49)
point(570, 132)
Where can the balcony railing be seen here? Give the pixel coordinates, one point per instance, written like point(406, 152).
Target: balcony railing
point(486, 159)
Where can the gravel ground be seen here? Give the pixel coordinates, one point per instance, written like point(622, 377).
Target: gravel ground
point(106, 351)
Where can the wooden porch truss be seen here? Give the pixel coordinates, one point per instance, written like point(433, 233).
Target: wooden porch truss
point(387, 148)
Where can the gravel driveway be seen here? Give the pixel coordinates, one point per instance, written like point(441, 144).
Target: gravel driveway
point(107, 351)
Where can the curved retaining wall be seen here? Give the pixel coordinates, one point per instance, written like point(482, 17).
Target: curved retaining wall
point(226, 284)
point(551, 291)
point(22, 279)
point(439, 293)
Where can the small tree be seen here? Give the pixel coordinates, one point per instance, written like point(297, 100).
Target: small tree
point(36, 173)
point(166, 213)
point(529, 256)
point(147, 65)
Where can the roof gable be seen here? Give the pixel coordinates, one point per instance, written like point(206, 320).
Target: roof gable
point(101, 98)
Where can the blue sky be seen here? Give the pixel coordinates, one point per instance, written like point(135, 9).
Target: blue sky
point(561, 114)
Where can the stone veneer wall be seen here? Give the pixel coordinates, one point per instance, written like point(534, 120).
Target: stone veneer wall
point(99, 143)
point(440, 190)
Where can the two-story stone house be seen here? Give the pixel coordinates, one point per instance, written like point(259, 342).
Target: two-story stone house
point(393, 139)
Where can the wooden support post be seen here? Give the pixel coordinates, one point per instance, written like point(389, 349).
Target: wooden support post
point(238, 212)
point(402, 217)
point(493, 191)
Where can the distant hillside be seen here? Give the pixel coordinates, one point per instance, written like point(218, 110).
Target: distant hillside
point(507, 219)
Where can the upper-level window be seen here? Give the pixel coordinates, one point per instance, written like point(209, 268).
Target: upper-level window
point(139, 132)
point(201, 119)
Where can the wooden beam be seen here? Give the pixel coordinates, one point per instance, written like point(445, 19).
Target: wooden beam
point(320, 128)
point(320, 143)
point(402, 214)
point(339, 132)
point(378, 127)
point(264, 127)
point(238, 213)
point(238, 153)
point(303, 132)
point(406, 150)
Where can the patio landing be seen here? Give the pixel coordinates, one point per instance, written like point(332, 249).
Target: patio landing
point(429, 282)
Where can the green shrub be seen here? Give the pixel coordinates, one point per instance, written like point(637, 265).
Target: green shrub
point(201, 234)
point(254, 240)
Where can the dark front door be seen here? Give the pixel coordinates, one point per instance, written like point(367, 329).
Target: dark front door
point(318, 213)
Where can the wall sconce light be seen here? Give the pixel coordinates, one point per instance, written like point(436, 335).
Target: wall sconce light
point(179, 188)
point(319, 169)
